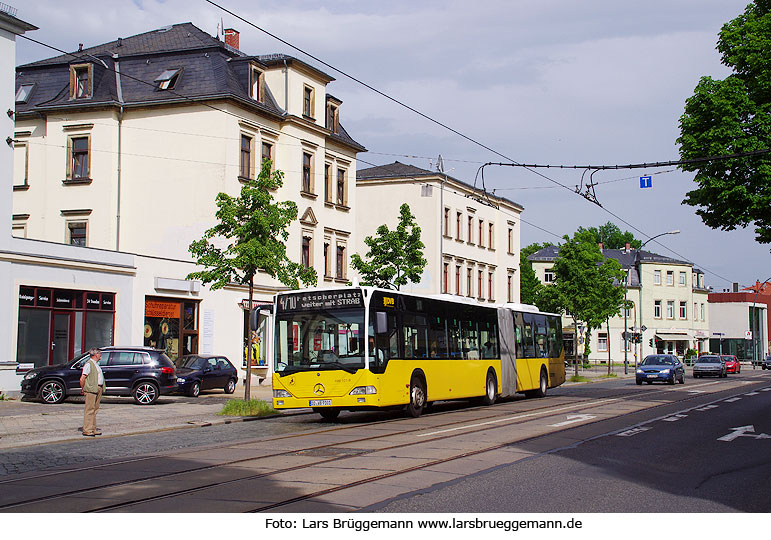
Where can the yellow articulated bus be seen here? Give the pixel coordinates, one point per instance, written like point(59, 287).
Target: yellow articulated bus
point(362, 348)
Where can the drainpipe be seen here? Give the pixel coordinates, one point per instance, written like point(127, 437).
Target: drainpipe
point(286, 87)
point(120, 141)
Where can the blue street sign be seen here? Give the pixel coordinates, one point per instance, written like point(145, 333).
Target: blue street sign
point(646, 181)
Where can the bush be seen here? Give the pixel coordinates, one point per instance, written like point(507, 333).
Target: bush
point(253, 407)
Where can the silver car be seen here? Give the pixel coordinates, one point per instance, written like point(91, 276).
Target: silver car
point(709, 365)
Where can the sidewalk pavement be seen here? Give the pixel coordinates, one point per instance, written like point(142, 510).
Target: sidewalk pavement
point(26, 423)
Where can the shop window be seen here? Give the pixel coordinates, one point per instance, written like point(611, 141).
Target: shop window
point(33, 336)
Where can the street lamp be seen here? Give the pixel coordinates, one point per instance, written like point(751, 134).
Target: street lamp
point(626, 284)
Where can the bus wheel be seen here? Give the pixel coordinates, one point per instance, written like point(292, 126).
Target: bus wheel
point(327, 413)
point(417, 397)
point(491, 389)
point(542, 386)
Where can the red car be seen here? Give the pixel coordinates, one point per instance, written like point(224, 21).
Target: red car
point(732, 365)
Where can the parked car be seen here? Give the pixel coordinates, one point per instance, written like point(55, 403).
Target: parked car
point(141, 372)
point(203, 372)
point(660, 367)
point(766, 364)
point(732, 365)
point(710, 365)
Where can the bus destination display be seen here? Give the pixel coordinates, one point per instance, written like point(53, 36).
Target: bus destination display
point(320, 300)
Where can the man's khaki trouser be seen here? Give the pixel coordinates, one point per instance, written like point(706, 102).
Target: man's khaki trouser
point(89, 414)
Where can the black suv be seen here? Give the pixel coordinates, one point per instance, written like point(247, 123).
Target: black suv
point(141, 372)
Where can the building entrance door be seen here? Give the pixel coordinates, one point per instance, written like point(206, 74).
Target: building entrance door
point(61, 344)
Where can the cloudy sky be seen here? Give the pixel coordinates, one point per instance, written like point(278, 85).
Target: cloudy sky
point(556, 82)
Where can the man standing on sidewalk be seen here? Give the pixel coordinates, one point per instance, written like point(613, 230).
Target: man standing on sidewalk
point(92, 386)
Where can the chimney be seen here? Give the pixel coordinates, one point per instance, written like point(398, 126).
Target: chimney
point(627, 247)
point(735, 287)
point(231, 38)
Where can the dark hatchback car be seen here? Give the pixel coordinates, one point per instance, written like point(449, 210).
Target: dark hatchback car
point(201, 372)
point(141, 372)
point(709, 365)
point(662, 368)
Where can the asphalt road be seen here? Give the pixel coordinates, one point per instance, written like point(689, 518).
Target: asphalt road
point(710, 457)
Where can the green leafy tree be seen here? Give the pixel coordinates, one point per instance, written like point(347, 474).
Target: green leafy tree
point(529, 285)
point(585, 286)
point(394, 257)
point(610, 235)
point(251, 236)
point(733, 116)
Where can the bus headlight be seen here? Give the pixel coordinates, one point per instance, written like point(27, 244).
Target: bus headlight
point(281, 393)
point(361, 390)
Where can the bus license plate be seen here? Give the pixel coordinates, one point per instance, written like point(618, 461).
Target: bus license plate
point(319, 402)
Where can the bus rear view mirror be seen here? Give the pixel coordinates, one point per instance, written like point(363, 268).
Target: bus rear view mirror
point(381, 322)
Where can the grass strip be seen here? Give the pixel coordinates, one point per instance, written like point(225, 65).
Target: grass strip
point(253, 407)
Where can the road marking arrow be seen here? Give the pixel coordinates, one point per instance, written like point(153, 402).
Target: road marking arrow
point(573, 418)
point(743, 431)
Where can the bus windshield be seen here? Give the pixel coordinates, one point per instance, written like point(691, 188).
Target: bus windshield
point(320, 339)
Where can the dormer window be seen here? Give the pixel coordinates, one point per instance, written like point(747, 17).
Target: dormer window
point(256, 84)
point(23, 93)
point(81, 81)
point(332, 118)
point(308, 101)
point(168, 79)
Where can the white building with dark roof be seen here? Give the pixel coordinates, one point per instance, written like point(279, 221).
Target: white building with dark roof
point(121, 149)
point(471, 237)
point(669, 300)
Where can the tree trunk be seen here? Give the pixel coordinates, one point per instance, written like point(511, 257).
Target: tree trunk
point(576, 345)
point(248, 391)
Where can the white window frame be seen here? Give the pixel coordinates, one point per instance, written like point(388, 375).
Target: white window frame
point(602, 342)
point(670, 309)
point(657, 309)
point(657, 277)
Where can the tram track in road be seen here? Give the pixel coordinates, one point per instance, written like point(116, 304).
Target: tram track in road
point(502, 417)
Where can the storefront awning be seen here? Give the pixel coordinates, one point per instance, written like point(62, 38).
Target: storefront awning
point(666, 336)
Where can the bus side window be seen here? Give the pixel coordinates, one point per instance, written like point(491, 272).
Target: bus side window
point(470, 340)
point(488, 337)
point(437, 338)
point(415, 332)
point(528, 345)
point(454, 338)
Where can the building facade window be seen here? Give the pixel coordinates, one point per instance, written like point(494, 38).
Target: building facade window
point(683, 310)
point(20, 165)
point(332, 118)
point(682, 279)
point(76, 233)
point(256, 84)
point(246, 157)
point(509, 288)
point(491, 236)
point(267, 153)
point(670, 309)
point(171, 325)
point(469, 283)
point(702, 313)
point(308, 101)
point(480, 284)
point(446, 278)
point(307, 172)
point(548, 275)
point(490, 288)
point(458, 289)
point(306, 252)
point(446, 231)
point(602, 342)
point(328, 182)
point(340, 271)
point(657, 277)
point(470, 237)
point(168, 79)
point(327, 261)
point(510, 241)
point(657, 309)
point(670, 277)
point(342, 187)
point(458, 226)
point(81, 81)
point(78, 162)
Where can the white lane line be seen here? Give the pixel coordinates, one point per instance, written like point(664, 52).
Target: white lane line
point(632, 432)
point(548, 412)
point(765, 390)
point(732, 399)
point(708, 407)
point(671, 419)
point(751, 394)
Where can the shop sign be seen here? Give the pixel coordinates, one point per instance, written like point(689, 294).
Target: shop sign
point(108, 302)
point(156, 308)
point(266, 306)
point(62, 299)
point(26, 297)
point(93, 301)
point(44, 298)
